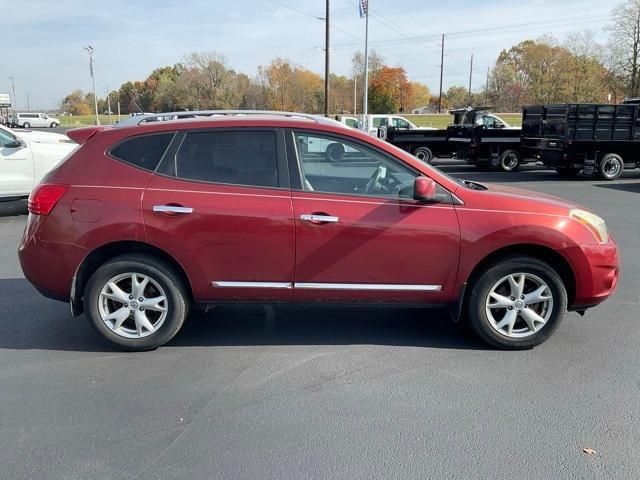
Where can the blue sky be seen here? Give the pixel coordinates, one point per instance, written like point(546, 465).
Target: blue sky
point(131, 38)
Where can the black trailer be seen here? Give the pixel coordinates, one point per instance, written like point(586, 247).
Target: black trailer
point(484, 140)
point(598, 139)
point(424, 143)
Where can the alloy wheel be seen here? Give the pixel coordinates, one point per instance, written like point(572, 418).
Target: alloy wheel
point(519, 305)
point(133, 305)
point(510, 162)
point(611, 168)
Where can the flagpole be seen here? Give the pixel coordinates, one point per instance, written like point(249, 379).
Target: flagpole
point(365, 106)
point(89, 49)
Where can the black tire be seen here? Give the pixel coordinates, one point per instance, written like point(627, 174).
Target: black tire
point(509, 161)
point(335, 152)
point(177, 306)
point(482, 286)
point(423, 153)
point(53, 125)
point(611, 166)
point(26, 125)
point(568, 172)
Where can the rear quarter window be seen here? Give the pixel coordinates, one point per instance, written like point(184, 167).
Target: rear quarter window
point(143, 152)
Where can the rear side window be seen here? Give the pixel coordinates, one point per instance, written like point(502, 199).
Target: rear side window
point(143, 152)
point(235, 157)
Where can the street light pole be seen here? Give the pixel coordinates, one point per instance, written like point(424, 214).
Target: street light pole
point(15, 100)
point(89, 49)
point(326, 61)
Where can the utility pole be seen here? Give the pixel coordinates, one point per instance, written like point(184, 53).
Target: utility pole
point(365, 103)
point(15, 99)
point(326, 61)
point(28, 107)
point(89, 49)
point(441, 75)
point(470, 77)
point(486, 88)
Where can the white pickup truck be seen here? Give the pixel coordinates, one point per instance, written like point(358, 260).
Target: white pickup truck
point(371, 123)
point(26, 157)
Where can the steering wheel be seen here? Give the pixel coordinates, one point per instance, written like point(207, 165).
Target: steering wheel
point(380, 172)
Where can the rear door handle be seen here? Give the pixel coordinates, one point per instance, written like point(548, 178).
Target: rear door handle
point(318, 218)
point(172, 209)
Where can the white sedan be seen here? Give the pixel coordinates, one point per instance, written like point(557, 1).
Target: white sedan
point(26, 157)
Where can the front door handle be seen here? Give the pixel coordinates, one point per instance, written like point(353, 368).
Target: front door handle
point(172, 209)
point(318, 218)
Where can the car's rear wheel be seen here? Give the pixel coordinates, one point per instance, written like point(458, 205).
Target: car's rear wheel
point(26, 125)
point(136, 302)
point(424, 153)
point(517, 303)
point(509, 161)
point(611, 166)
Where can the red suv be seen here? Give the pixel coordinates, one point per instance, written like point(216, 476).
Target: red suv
point(149, 217)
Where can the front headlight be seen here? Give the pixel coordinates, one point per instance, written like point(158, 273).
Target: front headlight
point(593, 222)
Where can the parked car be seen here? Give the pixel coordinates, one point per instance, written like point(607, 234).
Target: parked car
point(38, 135)
point(26, 157)
point(30, 120)
point(148, 218)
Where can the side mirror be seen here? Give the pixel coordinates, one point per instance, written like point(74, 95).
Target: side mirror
point(14, 144)
point(424, 189)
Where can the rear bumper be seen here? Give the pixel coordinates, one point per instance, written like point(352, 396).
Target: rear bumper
point(597, 271)
point(48, 266)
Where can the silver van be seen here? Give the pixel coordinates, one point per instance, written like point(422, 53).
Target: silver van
point(29, 120)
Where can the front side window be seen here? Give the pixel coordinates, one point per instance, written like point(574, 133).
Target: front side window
point(6, 138)
point(144, 151)
point(235, 157)
point(336, 165)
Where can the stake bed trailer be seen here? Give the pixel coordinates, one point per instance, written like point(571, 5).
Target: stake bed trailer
point(599, 139)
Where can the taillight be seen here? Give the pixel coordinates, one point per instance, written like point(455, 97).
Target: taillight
point(45, 196)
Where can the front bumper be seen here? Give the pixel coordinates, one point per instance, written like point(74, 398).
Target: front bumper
point(597, 271)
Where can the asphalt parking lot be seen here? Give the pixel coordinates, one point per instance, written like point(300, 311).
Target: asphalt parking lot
point(320, 393)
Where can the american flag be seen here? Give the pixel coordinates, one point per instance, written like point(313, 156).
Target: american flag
point(364, 5)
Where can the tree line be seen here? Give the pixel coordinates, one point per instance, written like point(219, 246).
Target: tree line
point(543, 70)
point(204, 81)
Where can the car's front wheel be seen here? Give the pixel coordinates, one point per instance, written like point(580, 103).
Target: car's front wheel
point(136, 302)
point(26, 125)
point(53, 125)
point(517, 303)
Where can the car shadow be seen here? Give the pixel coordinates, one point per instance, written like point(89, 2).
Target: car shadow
point(13, 208)
point(30, 321)
point(623, 187)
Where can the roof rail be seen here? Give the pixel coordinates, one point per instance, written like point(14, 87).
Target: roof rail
point(184, 115)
